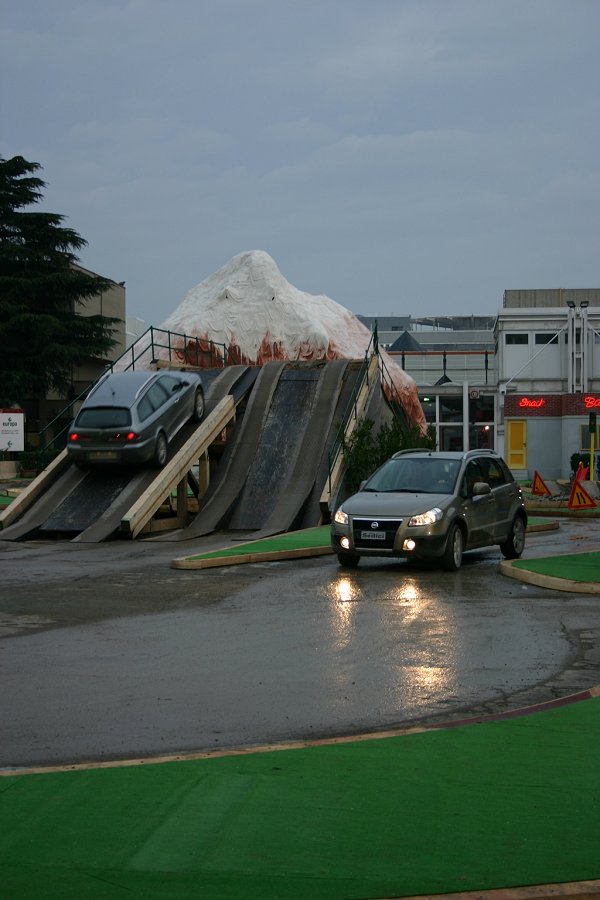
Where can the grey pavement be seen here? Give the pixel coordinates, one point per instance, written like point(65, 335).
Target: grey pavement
point(107, 652)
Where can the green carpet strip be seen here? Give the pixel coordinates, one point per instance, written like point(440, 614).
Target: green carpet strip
point(499, 804)
point(574, 566)
point(292, 540)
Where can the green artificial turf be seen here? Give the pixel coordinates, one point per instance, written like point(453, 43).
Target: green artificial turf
point(291, 540)
point(5, 501)
point(476, 807)
point(574, 566)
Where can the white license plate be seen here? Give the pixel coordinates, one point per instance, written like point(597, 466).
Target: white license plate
point(102, 454)
point(372, 535)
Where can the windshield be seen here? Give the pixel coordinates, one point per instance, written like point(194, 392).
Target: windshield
point(103, 417)
point(427, 475)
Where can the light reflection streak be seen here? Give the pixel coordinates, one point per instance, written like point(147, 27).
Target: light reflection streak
point(407, 630)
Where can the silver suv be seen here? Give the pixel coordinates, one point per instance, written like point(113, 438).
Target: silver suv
point(432, 505)
point(131, 417)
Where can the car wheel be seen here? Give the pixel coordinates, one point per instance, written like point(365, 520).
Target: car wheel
point(348, 560)
point(515, 544)
point(198, 413)
point(452, 557)
point(160, 450)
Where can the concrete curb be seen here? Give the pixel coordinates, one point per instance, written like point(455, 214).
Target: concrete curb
point(507, 568)
point(543, 526)
point(186, 562)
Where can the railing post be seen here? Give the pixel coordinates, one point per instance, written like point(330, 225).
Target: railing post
point(152, 342)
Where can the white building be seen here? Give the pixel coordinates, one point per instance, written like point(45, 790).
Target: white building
point(525, 385)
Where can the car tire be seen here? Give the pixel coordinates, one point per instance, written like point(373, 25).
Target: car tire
point(198, 413)
point(160, 450)
point(348, 560)
point(453, 551)
point(514, 545)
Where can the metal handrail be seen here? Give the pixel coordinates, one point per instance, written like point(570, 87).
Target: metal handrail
point(130, 357)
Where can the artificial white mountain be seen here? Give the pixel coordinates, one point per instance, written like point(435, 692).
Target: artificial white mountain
point(248, 310)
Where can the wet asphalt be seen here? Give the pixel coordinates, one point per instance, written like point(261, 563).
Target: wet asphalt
point(106, 652)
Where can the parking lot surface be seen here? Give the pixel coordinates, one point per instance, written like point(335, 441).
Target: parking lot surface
point(109, 653)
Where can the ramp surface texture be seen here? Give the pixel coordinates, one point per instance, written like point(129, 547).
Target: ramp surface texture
point(237, 459)
point(89, 499)
point(291, 482)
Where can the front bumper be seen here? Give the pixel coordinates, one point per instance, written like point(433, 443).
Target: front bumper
point(428, 544)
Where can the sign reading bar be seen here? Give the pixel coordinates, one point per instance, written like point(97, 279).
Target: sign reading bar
point(591, 402)
point(12, 430)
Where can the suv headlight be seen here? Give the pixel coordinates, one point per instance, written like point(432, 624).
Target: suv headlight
point(427, 518)
point(341, 518)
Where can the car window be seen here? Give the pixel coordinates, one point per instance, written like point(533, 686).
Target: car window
point(422, 475)
point(103, 417)
point(157, 395)
point(169, 383)
point(492, 472)
point(145, 408)
point(472, 475)
point(443, 474)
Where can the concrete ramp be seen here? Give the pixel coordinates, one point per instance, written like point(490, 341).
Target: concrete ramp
point(235, 465)
point(300, 458)
point(91, 504)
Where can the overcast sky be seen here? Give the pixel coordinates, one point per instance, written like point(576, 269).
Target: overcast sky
point(401, 156)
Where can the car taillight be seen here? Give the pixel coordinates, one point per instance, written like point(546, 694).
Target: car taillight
point(74, 436)
point(132, 436)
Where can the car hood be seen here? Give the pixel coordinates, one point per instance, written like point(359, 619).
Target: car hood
point(376, 503)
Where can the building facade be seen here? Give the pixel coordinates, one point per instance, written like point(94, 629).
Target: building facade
point(523, 382)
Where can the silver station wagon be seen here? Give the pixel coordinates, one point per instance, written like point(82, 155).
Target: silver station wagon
point(131, 417)
point(432, 505)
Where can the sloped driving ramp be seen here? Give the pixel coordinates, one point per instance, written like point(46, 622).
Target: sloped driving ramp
point(237, 459)
point(284, 490)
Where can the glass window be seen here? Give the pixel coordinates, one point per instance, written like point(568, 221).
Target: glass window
point(481, 409)
point(517, 338)
point(472, 475)
point(157, 395)
point(428, 407)
point(169, 383)
point(451, 409)
point(145, 409)
point(481, 437)
point(103, 417)
point(546, 338)
point(451, 437)
point(492, 472)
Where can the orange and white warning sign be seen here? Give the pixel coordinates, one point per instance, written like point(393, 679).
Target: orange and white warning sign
point(580, 499)
point(539, 486)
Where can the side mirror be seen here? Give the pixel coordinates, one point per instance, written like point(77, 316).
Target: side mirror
point(481, 488)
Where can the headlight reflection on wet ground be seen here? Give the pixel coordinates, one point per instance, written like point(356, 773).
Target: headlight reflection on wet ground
point(366, 609)
point(348, 596)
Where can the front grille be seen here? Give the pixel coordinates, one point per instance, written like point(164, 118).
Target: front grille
point(388, 527)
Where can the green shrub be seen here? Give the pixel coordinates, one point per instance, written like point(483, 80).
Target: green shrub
point(365, 451)
point(36, 459)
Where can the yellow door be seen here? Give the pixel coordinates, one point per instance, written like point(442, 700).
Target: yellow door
point(516, 443)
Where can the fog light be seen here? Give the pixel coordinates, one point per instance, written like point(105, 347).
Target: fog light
point(345, 543)
point(409, 544)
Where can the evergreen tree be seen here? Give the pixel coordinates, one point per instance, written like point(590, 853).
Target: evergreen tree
point(41, 288)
